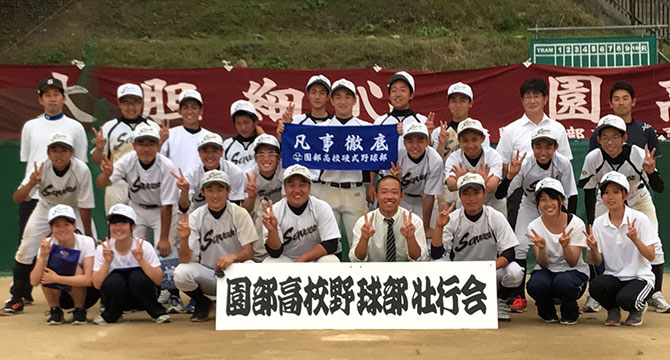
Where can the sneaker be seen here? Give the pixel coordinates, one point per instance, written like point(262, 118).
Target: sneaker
point(591, 305)
point(12, 307)
point(101, 320)
point(164, 296)
point(635, 317)
point(176, 306)
point(503, 311)
point(79, 316)
point(55, 316)
point(519, 305)
point(613, 317)
point(165, 318)
point(568, 321)
point(202, 314)
point(551, 321)
point(658, 301)
point(190, 308)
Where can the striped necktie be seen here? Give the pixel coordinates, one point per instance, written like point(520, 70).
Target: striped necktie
point(390, 241)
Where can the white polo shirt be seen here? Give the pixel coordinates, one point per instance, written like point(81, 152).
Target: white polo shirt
point(554, 249)
point(516, 136)
point(127, 260)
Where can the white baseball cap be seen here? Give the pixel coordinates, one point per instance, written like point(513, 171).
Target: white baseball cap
point(318, 79)
point(404, 76)
point(612, 121)
point(344, 83)
point(417, 128)
point(243, 106)
point(61, 210)
point(60, 139)
point(544, 133)
point(267, 140)
point(190, 94)
point(615, 177)
point(123, 210)
point(297, 169)
point(470, 124)
point(146, 131)
point(549, 183)
point(470, 180)
point(460, 88)
point(210, 139)
point(129, 90)
point(214, 176)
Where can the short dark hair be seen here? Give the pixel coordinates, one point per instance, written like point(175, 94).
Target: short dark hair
point(388, 177)
point(534, 84)
point(603, 187)
point(553, 194)
point(622, 85)
point(116, 218)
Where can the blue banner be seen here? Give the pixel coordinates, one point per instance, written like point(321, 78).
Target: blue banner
point(340, 147)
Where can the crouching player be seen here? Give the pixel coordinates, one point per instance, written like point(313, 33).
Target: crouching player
point(624, 239)
point(66, 291)
point(212, 238)
point(478, 232)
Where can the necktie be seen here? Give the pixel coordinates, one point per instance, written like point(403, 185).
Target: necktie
point(390, 241)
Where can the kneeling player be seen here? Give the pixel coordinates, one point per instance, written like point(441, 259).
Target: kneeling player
point(478, 232)
point(300, 227)
point(212, 238)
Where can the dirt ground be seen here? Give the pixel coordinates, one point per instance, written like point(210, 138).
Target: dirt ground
point(26, 336)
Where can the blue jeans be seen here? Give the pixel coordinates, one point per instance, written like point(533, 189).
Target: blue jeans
point(544, 286)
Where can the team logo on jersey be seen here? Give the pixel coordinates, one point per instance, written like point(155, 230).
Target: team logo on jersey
point(531, 188)
point(463, 242)
point(288, 237)
point(122, 139)
point(407, 179)
point(268, 193)
point(211, 238)
point(49, 191)
point(237, 159)
point(138, 185)
point(584, 172)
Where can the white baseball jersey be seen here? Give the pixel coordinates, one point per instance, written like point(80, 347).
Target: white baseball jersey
point(482, 240)
point(343, 176)
point(35, 137)
point(74, 187)
point(300, 233)
point(218, 234)
point(85, 245)
point(119, 135)
point(554, 249)
point(516, 136)
point(182, 146)
point(239, 151)
point(597, 163)
point(154, 186)
point(423, 176)
point(309, 119)
point(126, 261)
point(406, 117)
point(268, 188)
point(621, 257)
point(488, 157)
point(531, 172)
point(238, 182)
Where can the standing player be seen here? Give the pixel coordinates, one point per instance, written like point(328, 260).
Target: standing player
point(300, 227)
point(213, 237)
point(238, 148)
point(477, 232)
point(61, 179)
point(115, 138)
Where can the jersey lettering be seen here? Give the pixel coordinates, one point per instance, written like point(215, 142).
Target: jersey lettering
point(209, 239)
point(408, 180)
point(473, 241)
point(236, 159)
point(138, 185)
point(299, 234)
point(122, 139)
point(50, 191)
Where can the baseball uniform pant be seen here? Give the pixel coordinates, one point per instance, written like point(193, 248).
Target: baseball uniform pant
point(414, 203)
point(348, 205)
point(510, 276)
point(629, 295)
point(544, 286)
point(190, 276)
point(527, 213)
point(149, 223)
point(259, 248)
point(331, 258)
point(116, 193)
point(129, 290)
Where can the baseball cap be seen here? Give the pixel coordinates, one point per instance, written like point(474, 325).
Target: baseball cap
point(122, 210)
point(470, 180)
point(129, 90)
point(242, 106)
point(50, 82)
point(61, 210)
point(404, 76)
point(318, 79)
point(344, 83)
point(214, 176)
point(297, 169)
point(549, 183)
point(543, 133)
point(615, 177)
point(62, 139)
point(612, 121)
point(417, 128)
point(210, 139)
point(146, 131)
point(470, 124)
point(190, 94)
point(267, 140)
point(460, 88)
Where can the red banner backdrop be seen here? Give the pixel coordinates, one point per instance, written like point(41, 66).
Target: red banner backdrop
point(578, 97)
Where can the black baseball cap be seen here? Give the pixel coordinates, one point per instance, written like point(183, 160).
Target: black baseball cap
point(51, 82)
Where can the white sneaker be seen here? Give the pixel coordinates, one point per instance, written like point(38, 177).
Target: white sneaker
point(165, 318)
point(176, 306)
point(164, 296)
point(101, 321)
point(591, 305)
point(503, 311)
point(658, 301)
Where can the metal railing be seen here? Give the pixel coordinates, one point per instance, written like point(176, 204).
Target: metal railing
point(646, 12)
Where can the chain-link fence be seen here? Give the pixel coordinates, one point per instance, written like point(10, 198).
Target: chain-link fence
point(20, 17)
